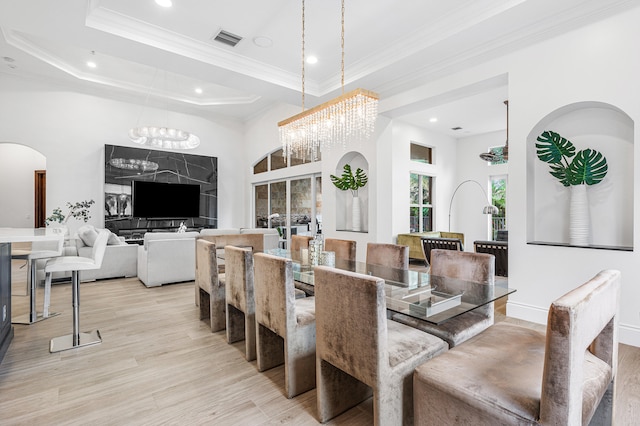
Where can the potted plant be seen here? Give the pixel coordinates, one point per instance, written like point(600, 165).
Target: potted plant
point(576, 170)
point(351, 182)
point(79, 210)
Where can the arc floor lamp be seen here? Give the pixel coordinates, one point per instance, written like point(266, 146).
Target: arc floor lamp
point(488, 209)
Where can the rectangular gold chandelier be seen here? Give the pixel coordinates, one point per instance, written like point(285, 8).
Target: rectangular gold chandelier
point(351, 116)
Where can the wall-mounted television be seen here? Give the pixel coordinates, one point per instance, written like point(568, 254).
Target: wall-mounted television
point(164, 200)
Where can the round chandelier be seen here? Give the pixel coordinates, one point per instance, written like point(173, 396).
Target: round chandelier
point(164, 137)
point(134, 164)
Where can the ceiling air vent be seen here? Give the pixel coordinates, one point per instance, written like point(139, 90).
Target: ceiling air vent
point(456, 128)
point(227, 38)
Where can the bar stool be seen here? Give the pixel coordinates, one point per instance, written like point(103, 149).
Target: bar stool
point(31, 256)
point(75, 264)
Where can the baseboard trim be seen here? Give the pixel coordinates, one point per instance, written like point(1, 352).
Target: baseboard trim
point(627, 334)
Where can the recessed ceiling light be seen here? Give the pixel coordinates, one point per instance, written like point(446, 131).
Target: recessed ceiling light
point(312, 60)
point(91, 64)
point(433, 119)
point(164, 3)
point(262, 41)
point(198, 91)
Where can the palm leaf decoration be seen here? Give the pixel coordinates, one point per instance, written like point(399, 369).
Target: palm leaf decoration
point(349, 181)
point(588, 166)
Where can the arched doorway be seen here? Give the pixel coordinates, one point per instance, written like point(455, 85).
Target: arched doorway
point(23, 185)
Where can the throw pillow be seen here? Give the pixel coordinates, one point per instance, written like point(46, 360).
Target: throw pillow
point(114, 240)
point(88, 235)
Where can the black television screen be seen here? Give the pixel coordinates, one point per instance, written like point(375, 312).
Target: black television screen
point(164, 200)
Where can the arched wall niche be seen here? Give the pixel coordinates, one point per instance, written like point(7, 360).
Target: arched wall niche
point(602, 127)
point(344, 199)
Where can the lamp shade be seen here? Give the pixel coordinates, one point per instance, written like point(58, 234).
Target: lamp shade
point(490, 209)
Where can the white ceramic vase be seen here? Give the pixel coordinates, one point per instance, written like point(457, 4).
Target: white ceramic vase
point(355, 214)
point(579, 219)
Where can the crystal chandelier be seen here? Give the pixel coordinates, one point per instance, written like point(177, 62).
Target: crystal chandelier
point(134, 164)
point(163, 137)
point(347, 117)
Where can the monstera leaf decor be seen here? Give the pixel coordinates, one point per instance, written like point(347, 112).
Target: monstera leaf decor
point(586, 167)
point(352, 182)
point(349, 181)
point(577, 171)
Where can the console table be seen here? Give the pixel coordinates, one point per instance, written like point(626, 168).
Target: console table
point(8, 236)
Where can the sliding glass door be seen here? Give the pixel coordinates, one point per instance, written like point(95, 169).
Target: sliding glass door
point(293, 206)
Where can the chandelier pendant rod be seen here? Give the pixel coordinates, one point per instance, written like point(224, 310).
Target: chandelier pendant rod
point(303, 54)
point(342, 47)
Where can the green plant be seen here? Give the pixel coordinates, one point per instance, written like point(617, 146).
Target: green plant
point(349, 181)
point(79, 210)
point(588, 166)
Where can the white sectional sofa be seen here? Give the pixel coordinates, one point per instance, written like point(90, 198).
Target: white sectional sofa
point(271, 236)
point(167, 257)
point(120, 258)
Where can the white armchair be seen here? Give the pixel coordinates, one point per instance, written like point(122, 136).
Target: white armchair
point(167, 257)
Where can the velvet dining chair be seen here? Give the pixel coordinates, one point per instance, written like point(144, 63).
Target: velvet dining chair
point(209, 285)
point(390, 255)
point(299, 242)
point(240, 301)
point(360, 353)
point(285, 325)
point(344, 249)
point(475, 267)
point(512, 374)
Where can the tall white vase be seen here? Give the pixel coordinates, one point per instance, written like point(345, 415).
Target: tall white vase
point(579, 219)
point(355, 214)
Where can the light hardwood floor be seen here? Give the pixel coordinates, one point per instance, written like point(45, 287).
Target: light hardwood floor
point(159, 365)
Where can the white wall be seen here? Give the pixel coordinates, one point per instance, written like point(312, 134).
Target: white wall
point(70, 129)
point(17, 166)
point(591, 64)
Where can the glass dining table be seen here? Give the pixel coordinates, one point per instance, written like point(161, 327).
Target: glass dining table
point(431, 298)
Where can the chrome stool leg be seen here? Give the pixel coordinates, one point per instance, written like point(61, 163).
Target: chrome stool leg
point(77, 339)
point(33, 315)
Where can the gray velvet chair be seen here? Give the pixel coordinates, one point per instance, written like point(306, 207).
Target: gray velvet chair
point(285, 326)
point(390, 255)
point(476, 267)
point(298, 242)
point(359, 352)
point(209, 285)
point(511, 374)
point(344, 249)
point(240, 305)
point(255, 241)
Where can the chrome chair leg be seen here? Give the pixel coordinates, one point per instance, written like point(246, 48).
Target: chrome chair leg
point(33, 315)
point(76, 339)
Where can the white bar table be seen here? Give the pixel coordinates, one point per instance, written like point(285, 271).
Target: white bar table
point(8, 236)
